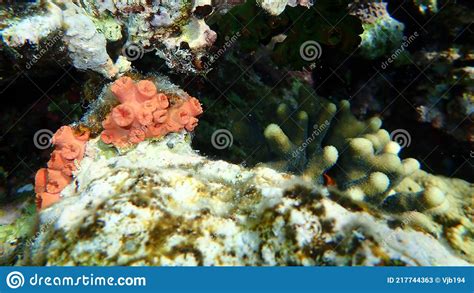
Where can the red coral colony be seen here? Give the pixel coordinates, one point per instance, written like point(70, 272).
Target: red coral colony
point(143, 113)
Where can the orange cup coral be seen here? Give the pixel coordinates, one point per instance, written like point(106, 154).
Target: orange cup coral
point(145, 113)
point(69, 149)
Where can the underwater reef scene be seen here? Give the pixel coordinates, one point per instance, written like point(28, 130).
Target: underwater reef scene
point(233, 132)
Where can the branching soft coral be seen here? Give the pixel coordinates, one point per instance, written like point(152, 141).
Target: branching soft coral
point(143, 112)
point(69, 149)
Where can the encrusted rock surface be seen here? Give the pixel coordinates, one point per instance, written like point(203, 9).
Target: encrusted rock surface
point(163, 204)
point(86, 28)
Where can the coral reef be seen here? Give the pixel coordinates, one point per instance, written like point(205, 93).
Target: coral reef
point(328, 138)
point(326, 23)
point(17, 223)
point(89, 30)
point(163, 204)
point(382, 33)
point(277, 7)
point(307, 134)
point(427, 6)
point(302, 181)
point(66, 23)
point(69, 150)
point(324, 142)
point(145, 113)
point(142, 113)
point(437, 205)
point(87, 27)
point(423, 85)
point(196, 195)
point(451, 111)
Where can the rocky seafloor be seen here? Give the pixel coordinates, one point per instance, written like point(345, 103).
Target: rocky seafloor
point(258, 133)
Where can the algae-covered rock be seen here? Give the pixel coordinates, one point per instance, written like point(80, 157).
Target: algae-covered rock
point(382, 33)
point(105, 37)
point(438, 205)
point(17, 223)
point(163, 204)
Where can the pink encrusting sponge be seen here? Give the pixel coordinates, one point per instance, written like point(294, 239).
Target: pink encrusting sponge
point(145, 113)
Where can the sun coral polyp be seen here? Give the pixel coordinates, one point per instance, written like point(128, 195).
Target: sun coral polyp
point(69, 149)
point(144, 113)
